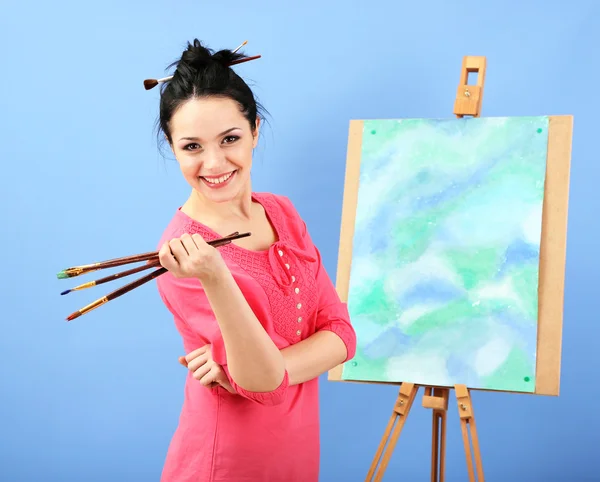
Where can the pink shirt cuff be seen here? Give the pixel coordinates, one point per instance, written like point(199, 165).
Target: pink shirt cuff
point(274, 397)
point(334, 318)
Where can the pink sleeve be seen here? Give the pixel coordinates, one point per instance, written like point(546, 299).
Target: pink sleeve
point(332, 313)
point(201, 324)
point(274, 397)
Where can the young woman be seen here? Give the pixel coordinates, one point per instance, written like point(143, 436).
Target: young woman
point(260, 319)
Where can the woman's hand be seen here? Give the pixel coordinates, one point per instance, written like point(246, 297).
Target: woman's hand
point(205, 369)
point(191, 257)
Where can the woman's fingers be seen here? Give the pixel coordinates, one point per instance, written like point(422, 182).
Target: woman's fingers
point(198, 351)
point(227, 386)
point(165, 256)
point(222, 380)
point(210, 376)
point(206, 371)
point(192, 257)
point(188, 243)
point(199, 241)
point(197, 362)
point(178, 250)
point(202, 372)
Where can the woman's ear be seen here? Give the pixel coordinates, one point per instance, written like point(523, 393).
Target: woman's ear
point(171, 146)
point(255, 133)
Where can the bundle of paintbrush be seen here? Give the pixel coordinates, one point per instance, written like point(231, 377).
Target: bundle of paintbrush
point(151, 261)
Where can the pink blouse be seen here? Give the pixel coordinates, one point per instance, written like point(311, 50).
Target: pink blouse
point(248, 436)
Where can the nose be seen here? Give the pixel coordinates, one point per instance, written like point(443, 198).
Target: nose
point(213, 160)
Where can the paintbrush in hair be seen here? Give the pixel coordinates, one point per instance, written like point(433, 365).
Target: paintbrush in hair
point(151, 83)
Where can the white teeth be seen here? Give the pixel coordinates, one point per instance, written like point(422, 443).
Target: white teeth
point(218, 180)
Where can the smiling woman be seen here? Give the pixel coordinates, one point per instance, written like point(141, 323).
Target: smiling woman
point(214, 161)
point(260, 318)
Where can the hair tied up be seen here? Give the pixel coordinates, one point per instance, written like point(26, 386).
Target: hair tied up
point(198, 57)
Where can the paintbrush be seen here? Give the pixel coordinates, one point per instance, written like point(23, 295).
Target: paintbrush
point(144, 279)
point(113, 263)
point(112, 277)
point(115, 294)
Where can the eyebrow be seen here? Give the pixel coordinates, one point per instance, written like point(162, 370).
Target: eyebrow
point(221, 134)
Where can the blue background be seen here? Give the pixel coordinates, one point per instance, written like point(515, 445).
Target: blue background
point(82, 180)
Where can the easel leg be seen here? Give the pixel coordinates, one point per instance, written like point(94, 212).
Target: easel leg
point(467, 419)
point(406, 397)
point(439, 404)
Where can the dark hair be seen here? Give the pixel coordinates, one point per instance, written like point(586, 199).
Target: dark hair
point(202, 73)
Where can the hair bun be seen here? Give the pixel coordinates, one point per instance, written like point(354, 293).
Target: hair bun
point(199, 57)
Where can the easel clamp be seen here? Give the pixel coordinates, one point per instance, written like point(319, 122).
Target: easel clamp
point(439, 400)
point(403, 401)
point(464, 402)
point(469, 97)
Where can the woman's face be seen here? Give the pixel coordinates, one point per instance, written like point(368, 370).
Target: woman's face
point(213, 143)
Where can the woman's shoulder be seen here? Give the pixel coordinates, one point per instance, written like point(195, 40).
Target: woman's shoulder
point(279, 203)
point(290, 225)
point(174, 229)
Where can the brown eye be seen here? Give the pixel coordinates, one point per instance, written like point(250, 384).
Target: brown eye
point(230, 139)
point(191, 146)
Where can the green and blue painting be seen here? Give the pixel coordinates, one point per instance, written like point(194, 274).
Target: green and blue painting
point(444, 276)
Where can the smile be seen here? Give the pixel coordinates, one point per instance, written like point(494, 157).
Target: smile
point(218, 181)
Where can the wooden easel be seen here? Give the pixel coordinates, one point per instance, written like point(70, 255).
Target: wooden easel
point(467, 103)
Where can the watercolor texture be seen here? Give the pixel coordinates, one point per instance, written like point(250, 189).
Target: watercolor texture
point(444, 276)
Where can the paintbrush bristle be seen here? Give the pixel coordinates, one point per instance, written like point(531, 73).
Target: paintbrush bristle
point(72, 316)
point(150, 83)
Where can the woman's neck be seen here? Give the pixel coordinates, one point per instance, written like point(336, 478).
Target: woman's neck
point(211, 213)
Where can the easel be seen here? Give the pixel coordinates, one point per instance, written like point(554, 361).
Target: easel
point(467, 103)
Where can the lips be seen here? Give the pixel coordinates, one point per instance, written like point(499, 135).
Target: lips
point(219, 181)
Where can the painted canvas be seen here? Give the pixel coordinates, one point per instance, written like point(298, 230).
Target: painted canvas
point(443, 285)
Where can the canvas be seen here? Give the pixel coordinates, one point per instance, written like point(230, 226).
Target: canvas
point(443, 286)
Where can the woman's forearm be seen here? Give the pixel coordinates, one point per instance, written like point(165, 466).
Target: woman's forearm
point(254, 361)
point(313, 356)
